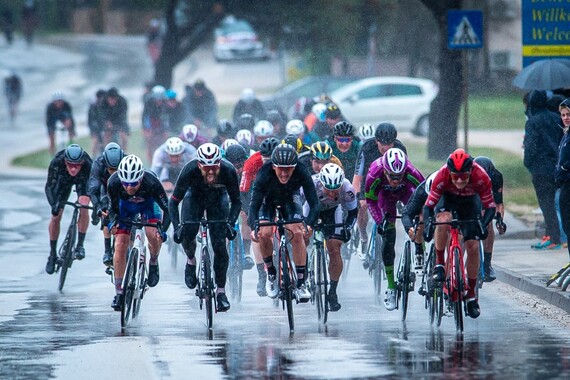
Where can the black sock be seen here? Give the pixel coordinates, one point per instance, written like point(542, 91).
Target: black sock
point(333, 286)
point(53, 246)
point(107, 244)
point(487, 257)
point(80, 239)
point(269, 265)
point(300, 275)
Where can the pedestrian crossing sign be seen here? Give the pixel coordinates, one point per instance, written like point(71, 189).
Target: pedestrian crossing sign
point(464, 29)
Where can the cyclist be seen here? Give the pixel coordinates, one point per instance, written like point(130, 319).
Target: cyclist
point(248, 103)
point(176, 112)
point(154, 120)
point(497, 186)
point(103, 167)
point(345, 147)
point(336, 197)
point(278, 121)
point(366, 132)
point(95, 121)
point(250, 169)
point(278, 183)
point(390, 179)
point(190, 135)
point(115, 122)
point(455, 186)
point(318, 155)
point(69, 167)
point(385, 138)
point(161, 158)
point(13, 92)
point(201, 104)
point(262, 130)
point(133, 190)
point(207, 183)
point(59, 110)
point(413, 209)
point(225, 130)
point(297, 127)
point(175, 150)
point(324, 129)
point(245, 138)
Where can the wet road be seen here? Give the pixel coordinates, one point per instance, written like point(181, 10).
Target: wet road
point(45, 334)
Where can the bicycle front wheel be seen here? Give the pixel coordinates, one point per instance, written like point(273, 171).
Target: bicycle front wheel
point(66, 255)
point(378, 267)
point(129, 287)
point(321, 286)
point(458, 305)
point(288, 287)
point(140, 283)
point(208, 288)
point(406, 278)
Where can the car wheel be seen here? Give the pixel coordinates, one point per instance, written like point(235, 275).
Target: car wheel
point(422, 127)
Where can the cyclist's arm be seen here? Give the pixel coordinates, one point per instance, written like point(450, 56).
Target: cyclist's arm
point(232, 188)
point(257, 194)
point(414, 207)
point(311, 197)
point(113, 187)
point(51, 183)
point(372, 190)
point(94, 184)
point(160, 195)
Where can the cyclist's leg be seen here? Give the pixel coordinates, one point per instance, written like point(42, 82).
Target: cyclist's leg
point(192, 210)
point(219, 211)
point(362, 221)
point(82, 222)
point(293, 210)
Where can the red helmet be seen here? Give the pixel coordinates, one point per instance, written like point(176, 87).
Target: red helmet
point(459, 161)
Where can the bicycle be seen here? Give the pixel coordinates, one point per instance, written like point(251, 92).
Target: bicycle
point(318, 271)
point(348, 250)
point(287, 272)
point(62, 136)
point(455, 284)
point(432, 290)
point(65, 253)
point(405, 276)
point(236, 252)
point(135, 278)
point(206, 289)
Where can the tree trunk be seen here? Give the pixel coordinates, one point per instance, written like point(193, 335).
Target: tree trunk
point(445, 107)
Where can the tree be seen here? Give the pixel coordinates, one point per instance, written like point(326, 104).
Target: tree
point(445, 107)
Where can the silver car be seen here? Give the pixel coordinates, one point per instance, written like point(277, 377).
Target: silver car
point(236, 39)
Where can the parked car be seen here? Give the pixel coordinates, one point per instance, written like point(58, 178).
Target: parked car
point(309, 87)
point(235, 39)
point(404, 101)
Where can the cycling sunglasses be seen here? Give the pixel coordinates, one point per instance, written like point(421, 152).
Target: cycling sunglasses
point(130, 184)
point(463, 176)
point(395, 177)
point(73, 165)
point(207, 168)
point(343, 139)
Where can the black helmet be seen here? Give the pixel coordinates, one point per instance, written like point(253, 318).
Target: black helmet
point(274, 117)
point(225, 127)
point(267, 146)
point(486, 164)
point(294, 141)
point(112, 155)
point(343, 128)
point(245, 121)
point(284, 155)
point(74, 154)
point(386, 133)
point(236, 154)
point(332, 111)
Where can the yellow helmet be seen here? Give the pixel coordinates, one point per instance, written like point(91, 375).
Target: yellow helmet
point(321, 150)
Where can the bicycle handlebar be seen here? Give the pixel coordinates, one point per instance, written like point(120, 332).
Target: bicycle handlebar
point(78, 205)
point(203, 222)
point(320, 226)
point(139, 224)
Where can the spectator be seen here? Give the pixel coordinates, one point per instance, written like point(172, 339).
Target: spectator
point(562, 174)
point(201, 105)
point(13, 92)
point(542, 136)
point(29, 20)
point(248, 103)
point(95, 121)
point(115, 122)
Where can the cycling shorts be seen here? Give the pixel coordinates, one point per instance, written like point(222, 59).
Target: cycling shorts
point(467, 207)
point(291, 210)
point(333, 215)
point(149, 210)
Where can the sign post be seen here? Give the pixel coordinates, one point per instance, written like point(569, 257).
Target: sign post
point(465, 31)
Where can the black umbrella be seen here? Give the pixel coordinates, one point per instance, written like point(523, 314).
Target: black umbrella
point(545, 74)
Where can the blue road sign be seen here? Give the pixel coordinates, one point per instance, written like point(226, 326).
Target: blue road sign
point(464, 29)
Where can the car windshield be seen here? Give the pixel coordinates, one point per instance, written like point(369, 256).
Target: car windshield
point(236, 27)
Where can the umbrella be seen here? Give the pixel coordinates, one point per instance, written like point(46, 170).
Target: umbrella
point(546, 74)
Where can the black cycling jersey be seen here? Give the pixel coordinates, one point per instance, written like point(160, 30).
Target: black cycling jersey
point(116, 115)
point(54, 114)
point(368, 153)
point(59, 181)
point(414, 206)
point(97, 185)
point(150, 187)
point(191, 178)
point(268, 188)
point(497, 186)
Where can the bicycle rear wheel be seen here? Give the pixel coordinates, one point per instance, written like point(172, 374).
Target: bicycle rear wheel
point(406, 278)
point(66, 255)
point(321, 286)
point(129, 286)
point(208, 288)
point(458, 304)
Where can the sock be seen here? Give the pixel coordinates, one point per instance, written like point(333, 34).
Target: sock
point(333, 285)
point(107, 244)
point(191, 261)
point(390, 277)
point(300, 275)
point(440, 256)
point(472, 282)
point(220, 290)
point(419, 248)
point(269, 265)
point(53, 246)
point(80, 239)
point(153, 260)
point(118, 285)
point(487, 257)
point(260, 270)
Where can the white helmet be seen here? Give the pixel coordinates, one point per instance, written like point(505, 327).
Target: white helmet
point(331, 176)
point(189, 132)
point(394, 161)
point(263, 128)
point(174, 146)
point(244, 137)
point(57, 95)
point(319, 111)
point(295, 127)
point(366, 131)
point(130, 169)
point(247, 95)
point(158, 92)
point(228, 142)
point(208, 154)
point(429, 181)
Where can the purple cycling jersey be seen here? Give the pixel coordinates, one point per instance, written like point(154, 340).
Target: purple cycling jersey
point(381, 197)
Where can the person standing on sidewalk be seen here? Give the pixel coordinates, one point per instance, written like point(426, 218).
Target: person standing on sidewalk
point(542, 136)
point(562, 174)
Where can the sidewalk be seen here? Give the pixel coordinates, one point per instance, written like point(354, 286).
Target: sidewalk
point(514, 261)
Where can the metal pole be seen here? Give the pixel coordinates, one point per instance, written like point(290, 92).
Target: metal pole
point(465, 99)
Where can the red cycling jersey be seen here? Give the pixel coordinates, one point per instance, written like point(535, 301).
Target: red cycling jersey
point(479, 183)
point(250, 169)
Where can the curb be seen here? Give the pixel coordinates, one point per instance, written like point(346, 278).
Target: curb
point(537, 288)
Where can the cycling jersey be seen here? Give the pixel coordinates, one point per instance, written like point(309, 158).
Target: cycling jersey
point(368, 153)
point(268, 190)
point(116, 115)
point(161, 159)
point(59, 181)
point(381, 197)
point(54, 114)
point(149, 194)
point(414, 206)
point(98, 179)
point(348, 158)
point(250, 169)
